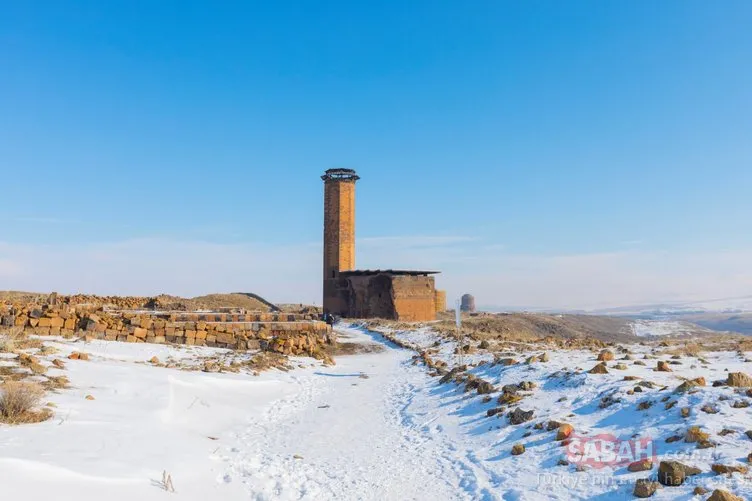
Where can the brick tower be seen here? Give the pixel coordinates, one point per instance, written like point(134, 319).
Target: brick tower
point(339, 233)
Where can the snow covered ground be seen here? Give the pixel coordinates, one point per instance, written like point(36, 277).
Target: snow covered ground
point(644, 328)
point(375, 426)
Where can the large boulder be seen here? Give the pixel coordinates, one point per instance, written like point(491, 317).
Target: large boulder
point(739, 379)
point(518, 416)
point(721, 495)
point(673, 473)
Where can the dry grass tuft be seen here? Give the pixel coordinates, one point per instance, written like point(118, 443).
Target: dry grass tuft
point(9, 339)
point(18, 400)
point(14, 338)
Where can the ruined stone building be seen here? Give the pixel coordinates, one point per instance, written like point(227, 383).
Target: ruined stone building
point(392, 294)
point(467, 303)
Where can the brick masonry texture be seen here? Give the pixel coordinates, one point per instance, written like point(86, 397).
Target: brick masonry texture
point(339, 236)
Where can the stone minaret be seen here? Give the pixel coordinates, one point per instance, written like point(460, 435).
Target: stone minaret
point(339, 233)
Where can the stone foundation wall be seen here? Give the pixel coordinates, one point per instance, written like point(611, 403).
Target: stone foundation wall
point(291, 334)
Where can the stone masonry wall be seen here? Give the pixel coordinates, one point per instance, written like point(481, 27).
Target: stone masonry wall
point(440, 299)
point(291, 334)
point(414, 298)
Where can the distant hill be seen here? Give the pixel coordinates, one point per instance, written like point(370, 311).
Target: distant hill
point(530, 326)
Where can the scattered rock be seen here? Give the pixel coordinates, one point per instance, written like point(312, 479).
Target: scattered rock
point(608, 401)
point(644, 405)
point(721, 469)
point(76, 355)
point(58, 363)
point(484, 387)
point(154, 360)
point(644, 488)
point(599, 369)
point(90, 397)
point(526, 386)
point(544, 357)
point(605, 356)
point(739, 379)
point(37, 368)
point(709, 409)
point(673, 473)
point(518, 449)
point(699, 491)
point(721, 495)
point(643, 465)
point(494, 411)
point(663, 367)
point(705, 444)
point(564, 431)
point(518, 416)
point(509, 398)
point(689, 384)
point(553, 425)
point(685, 412)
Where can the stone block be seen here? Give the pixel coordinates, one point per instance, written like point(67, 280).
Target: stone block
point(223, 337)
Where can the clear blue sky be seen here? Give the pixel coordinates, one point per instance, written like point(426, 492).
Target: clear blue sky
point(496, 140)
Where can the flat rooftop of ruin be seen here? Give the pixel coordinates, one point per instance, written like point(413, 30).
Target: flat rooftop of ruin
point(359, 273)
